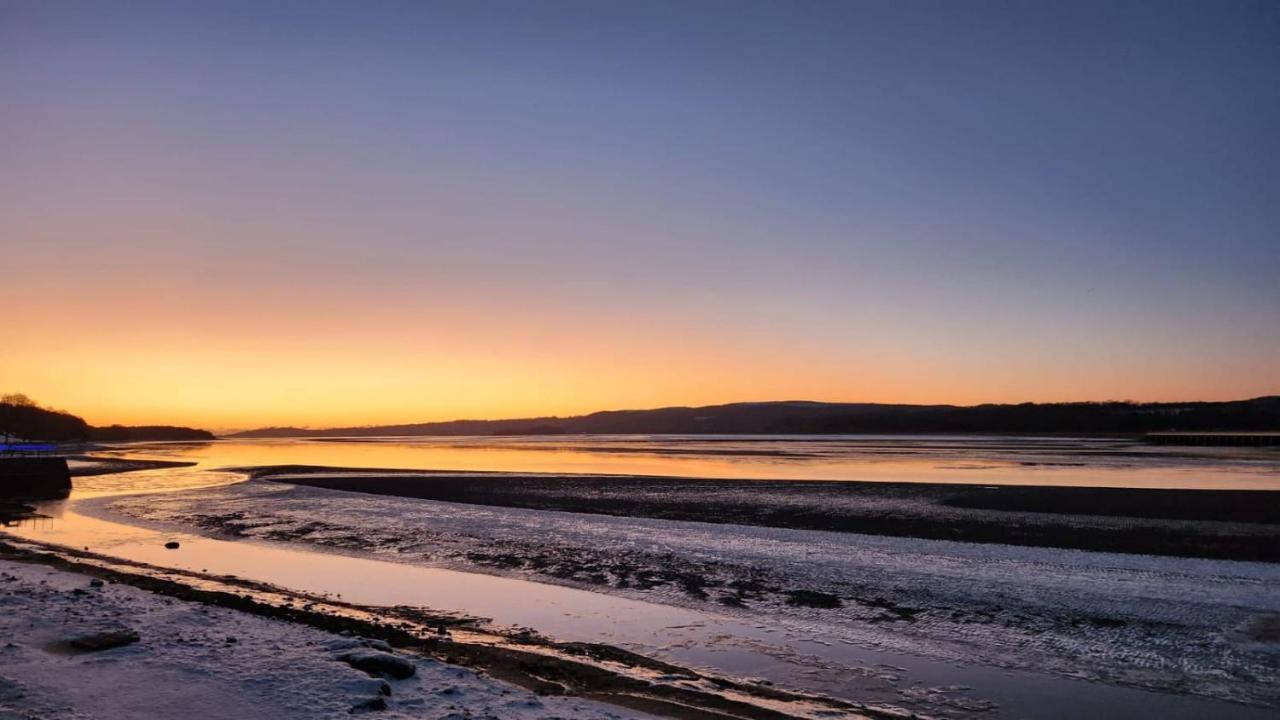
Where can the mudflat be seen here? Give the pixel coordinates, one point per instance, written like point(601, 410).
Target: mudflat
point(1223, 524)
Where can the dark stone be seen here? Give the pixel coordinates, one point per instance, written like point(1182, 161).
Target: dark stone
point(171, 545)
point(1264, 629)
point(372, 704)
point(380, 663)
point(1102, 622)
point(104, 640)
point(96, 583)
point(37, 478)
point(809, 598)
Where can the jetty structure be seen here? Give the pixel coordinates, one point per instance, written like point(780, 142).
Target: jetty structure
point(28, 471)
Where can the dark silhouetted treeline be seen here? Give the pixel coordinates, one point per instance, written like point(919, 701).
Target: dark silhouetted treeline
point(131, 433)
point(22, 418)
point(841, 418)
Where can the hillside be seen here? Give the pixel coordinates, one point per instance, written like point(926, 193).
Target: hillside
point(21, 418)
point(798, 417)
point(132, 433)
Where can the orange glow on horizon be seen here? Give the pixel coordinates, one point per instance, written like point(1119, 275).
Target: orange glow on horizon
point(134, 316)
point(335, 372)
point(190, 356)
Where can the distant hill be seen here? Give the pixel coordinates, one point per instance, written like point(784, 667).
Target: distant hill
point(799, 417)
point(131, 433)
point(22, 418)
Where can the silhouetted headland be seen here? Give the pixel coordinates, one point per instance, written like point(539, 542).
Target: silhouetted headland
point(21, 417)
point(819, 418)
point(134, 433)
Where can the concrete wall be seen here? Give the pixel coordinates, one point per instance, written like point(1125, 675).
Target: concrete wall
point(34, 477)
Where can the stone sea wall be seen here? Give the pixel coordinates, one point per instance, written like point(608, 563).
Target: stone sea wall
point(34, 477)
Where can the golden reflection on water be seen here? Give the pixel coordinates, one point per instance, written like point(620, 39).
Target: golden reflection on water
point(981, 461)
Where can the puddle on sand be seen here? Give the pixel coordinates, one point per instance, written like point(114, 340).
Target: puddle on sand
point(789, 657)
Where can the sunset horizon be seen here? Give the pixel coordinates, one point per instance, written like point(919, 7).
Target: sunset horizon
point(347, 418)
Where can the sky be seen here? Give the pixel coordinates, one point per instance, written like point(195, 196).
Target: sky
point(235, 214)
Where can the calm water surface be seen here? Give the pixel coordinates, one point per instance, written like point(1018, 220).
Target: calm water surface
point(1098, 462)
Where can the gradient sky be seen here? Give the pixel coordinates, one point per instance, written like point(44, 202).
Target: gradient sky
point(238, 214)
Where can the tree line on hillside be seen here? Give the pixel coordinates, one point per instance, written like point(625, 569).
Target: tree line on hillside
point(132, 433)
point(817, 418)
point(22, 418)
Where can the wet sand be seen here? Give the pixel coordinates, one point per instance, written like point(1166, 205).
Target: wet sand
point(1220, 524)
point(89, 465)
point(1004, 608)
point(801, 657)
point(517, 656)
point(106, 646)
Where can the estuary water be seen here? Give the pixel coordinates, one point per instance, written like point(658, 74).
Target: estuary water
point(800, 651)
point(986, 460)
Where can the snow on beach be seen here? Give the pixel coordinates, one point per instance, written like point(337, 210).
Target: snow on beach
point(1163, 623)
point(193, 660)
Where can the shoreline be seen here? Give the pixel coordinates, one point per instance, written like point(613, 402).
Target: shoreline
point(890, 588)
point(88, 465)
point(1065, 614)
point(103, 648)
point(941, 697)
point(592, 671)
point(899, 612)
